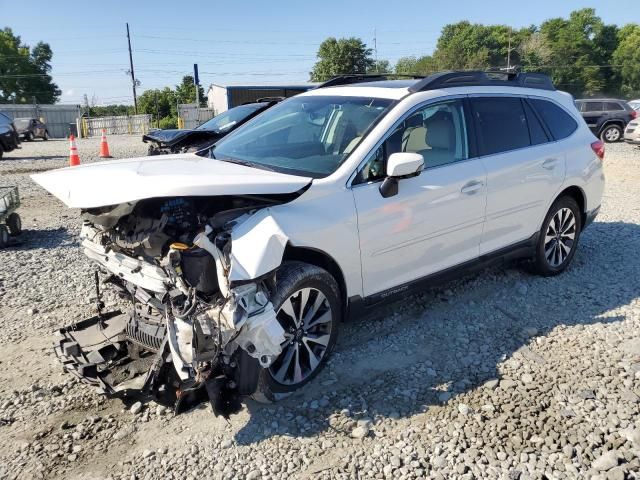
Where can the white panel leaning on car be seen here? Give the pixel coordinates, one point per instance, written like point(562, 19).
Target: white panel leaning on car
point(241, 260)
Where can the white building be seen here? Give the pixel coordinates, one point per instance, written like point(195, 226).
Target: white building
point(223, 97)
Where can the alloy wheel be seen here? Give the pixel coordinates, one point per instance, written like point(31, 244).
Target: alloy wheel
point(307, 319)
point(560, 237)
point(612, 134)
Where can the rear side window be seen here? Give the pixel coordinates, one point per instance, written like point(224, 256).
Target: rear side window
point(536, 131)
point(559, 122)
point(501, 124)
point(615, 106)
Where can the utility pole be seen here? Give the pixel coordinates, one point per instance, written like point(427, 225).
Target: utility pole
point(157, 113)
point(133, 75)
point(509, 50)
point(375, 48)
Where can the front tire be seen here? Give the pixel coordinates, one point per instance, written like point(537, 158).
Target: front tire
point(4, 236)
point(28, 137)
point(611, 134)
point(308, 306)
point(15, 224)
point(45, 137)
point(558, 238)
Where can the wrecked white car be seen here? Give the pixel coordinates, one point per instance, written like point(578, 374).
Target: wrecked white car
point(239, 262)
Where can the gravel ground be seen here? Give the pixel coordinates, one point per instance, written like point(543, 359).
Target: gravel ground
point(499, 375)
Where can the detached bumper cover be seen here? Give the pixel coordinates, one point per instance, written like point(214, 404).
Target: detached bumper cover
point(86, 348)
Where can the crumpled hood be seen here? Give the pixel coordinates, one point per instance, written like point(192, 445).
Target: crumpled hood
point(171, 136)
point(187, 174)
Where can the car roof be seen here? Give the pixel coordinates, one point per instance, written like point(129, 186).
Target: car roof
point(600, 100)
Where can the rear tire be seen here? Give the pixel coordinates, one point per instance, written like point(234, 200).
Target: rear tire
point(28, 136)
point(45, 137)
point(308, 306)
point(4, 236)
point(558, 238)
point(611, 134)
point(14, 223)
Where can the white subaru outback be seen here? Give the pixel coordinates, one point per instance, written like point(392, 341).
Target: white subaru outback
point(238, 263)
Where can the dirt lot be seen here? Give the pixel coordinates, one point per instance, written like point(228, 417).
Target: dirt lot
point(500, 375)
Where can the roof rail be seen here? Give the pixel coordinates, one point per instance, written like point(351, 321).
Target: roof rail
point(348, 79)
point(478, 78)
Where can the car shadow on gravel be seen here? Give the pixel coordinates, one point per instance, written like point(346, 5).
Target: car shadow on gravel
point(421, 352)
point(43, 239)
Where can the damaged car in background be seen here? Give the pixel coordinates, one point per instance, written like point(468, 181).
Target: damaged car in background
point(191, 140)
point(238, 263)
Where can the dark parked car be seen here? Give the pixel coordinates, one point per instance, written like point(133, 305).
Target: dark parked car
point(185, 140)
point(606, 117)
point(9, 138)
point(31, 128)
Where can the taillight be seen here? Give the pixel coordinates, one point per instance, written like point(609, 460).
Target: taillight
point(598, 149)
point(634, 114)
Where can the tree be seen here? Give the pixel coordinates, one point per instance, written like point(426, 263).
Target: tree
point(24, 71)
point(186, 91)
point(166, 103)
point(419, 66)
point(580, 48)
point(341, 56)
point(381, 66)
point(626, 60)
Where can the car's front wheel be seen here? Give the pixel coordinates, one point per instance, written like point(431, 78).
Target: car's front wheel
point(558, 238)
point(4, 236)
point(309, 309)
point(15, 224)
point(611, 134)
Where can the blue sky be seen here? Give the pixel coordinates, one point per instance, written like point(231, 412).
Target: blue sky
point(246, 41)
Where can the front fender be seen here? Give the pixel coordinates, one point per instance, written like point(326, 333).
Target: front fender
point(257, 246)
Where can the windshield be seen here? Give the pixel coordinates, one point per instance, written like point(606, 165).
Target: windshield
point(226, 120)
point(308, 136)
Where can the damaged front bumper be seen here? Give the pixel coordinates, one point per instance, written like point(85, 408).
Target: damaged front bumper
point(176, 341)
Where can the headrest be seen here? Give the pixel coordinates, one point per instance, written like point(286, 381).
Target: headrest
point(440, 133)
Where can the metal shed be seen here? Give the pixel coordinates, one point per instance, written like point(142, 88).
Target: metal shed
point(57, 117)
point(224, 97)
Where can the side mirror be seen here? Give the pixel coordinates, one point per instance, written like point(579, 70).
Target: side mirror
point(404, 163)
point(399, 165)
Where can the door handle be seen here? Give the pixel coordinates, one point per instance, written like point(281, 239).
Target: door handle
point(471, 187)
point(550, 163)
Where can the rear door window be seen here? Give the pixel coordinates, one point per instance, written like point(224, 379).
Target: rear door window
point(592, 107)
point(501, 124)
point(559, 122)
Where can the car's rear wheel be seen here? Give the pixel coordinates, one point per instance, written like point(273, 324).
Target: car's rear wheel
point(558, 238)
point(45, 137)
point(28, 136)
point(308, 306)
point(611, 134)
point(15, 224)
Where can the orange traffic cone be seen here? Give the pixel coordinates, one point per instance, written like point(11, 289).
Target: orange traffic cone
point(74, 158)
point(104, 146)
